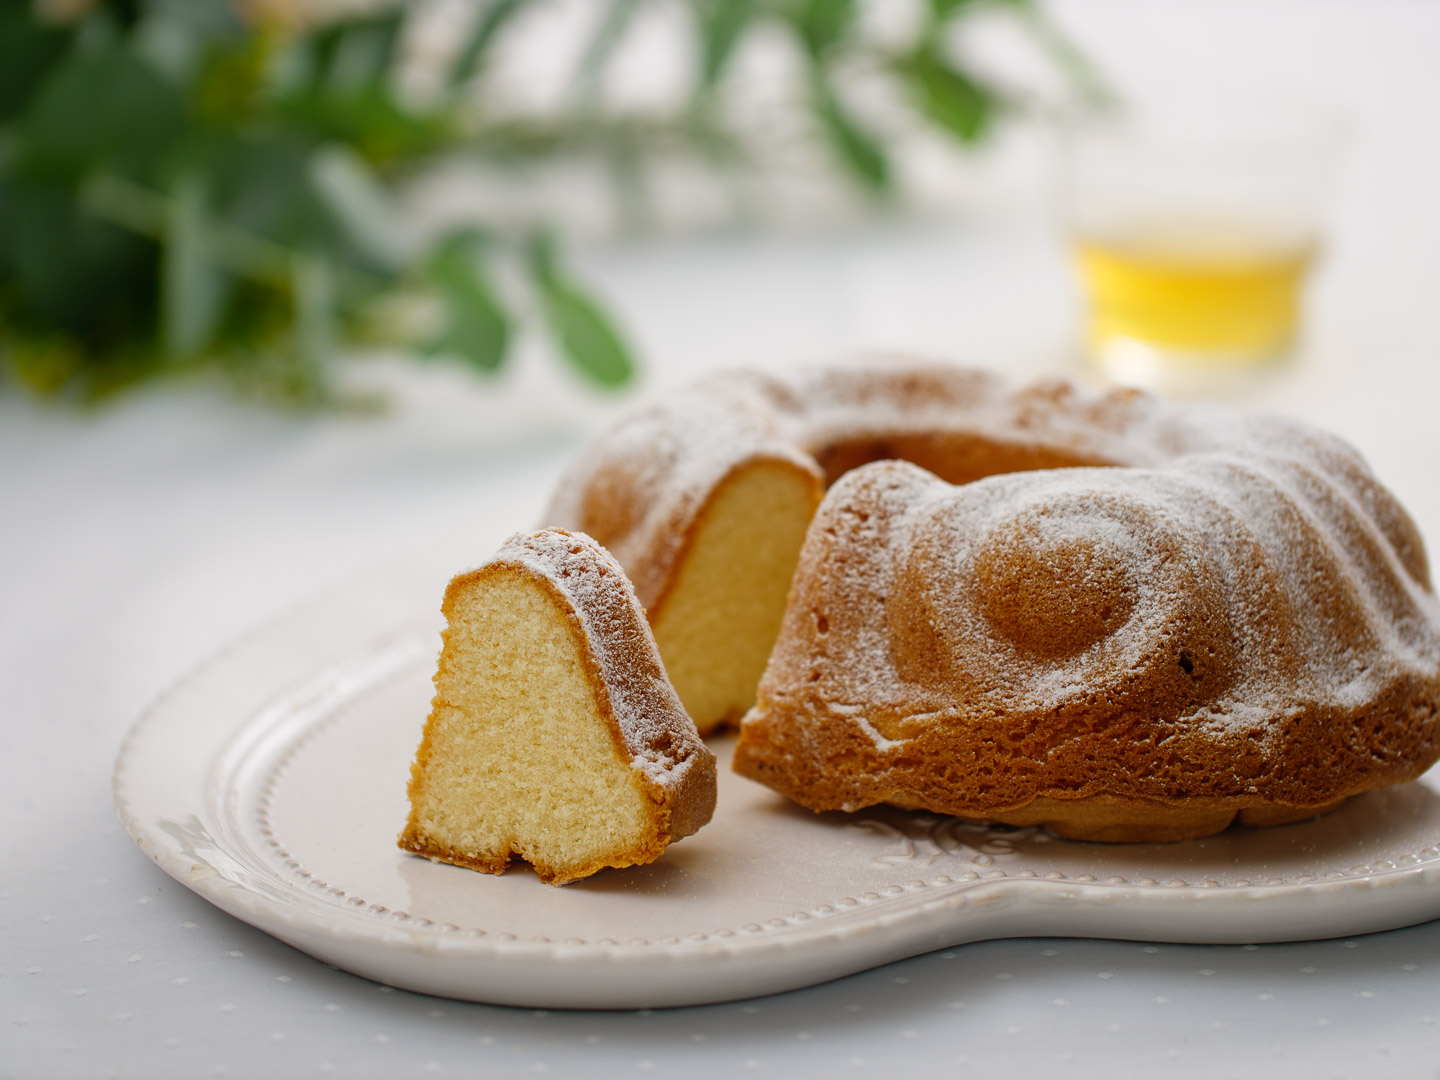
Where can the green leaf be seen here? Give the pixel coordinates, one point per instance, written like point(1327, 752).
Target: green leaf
point(380, 128)
point(366, 55)
point(947, 96)
point(28, 50)
point(273, 188)
point(359, 205)
point(822, 24)
point(74, 271)
point(355, 53)
point(941, 10)
point(477, 327)
point(858, 150)
point(482, 36)
point(260, 184)
point(720, 23)
point(544, 259)
point(229, 85)
point(101, 108)
point(586, 336)
point(192, 287)
point(7, 234)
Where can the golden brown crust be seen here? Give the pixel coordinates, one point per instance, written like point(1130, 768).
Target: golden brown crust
point(1148, 686)
point(1107, 819)
point(646, 850)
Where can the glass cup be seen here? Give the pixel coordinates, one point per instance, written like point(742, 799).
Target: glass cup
point(1192, 233)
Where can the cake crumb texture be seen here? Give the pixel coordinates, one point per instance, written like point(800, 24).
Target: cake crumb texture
point(554, 736)
point(723, 609)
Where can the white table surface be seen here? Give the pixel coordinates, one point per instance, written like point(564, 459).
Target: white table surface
point(138, 540)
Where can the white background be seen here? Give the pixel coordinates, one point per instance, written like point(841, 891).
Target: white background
point(136, 541)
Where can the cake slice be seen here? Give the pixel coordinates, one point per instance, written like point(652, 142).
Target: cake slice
point(554, 735)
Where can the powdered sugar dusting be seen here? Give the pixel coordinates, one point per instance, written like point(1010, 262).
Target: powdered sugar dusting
point(1254, 575)
point(658, 733)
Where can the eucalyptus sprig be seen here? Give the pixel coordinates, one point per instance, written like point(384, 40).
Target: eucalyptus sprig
point(188, 185)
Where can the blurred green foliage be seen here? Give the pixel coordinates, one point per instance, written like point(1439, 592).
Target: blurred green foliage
point(183, 188)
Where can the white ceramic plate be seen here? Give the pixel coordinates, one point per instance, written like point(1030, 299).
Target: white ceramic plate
point(272, 783)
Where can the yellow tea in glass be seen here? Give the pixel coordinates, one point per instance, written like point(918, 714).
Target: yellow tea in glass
point(1228, 298)
point(1192, 243)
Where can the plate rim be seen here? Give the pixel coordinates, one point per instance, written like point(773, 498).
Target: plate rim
point(306, 924)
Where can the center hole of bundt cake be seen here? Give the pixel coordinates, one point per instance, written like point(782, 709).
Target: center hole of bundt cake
point(955, 457)
point(1052, 594)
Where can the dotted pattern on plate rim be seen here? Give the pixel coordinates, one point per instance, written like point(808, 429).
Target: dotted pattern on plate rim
point(940, 833)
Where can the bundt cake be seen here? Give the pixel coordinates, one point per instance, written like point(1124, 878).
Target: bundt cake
point(1116, 617)
point(554, 735)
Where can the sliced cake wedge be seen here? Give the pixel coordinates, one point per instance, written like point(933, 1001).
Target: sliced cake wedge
point(554, 735)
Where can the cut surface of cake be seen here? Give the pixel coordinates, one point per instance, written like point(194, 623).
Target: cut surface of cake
point(705, 502)
point(554, 736)
point(723, 609)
